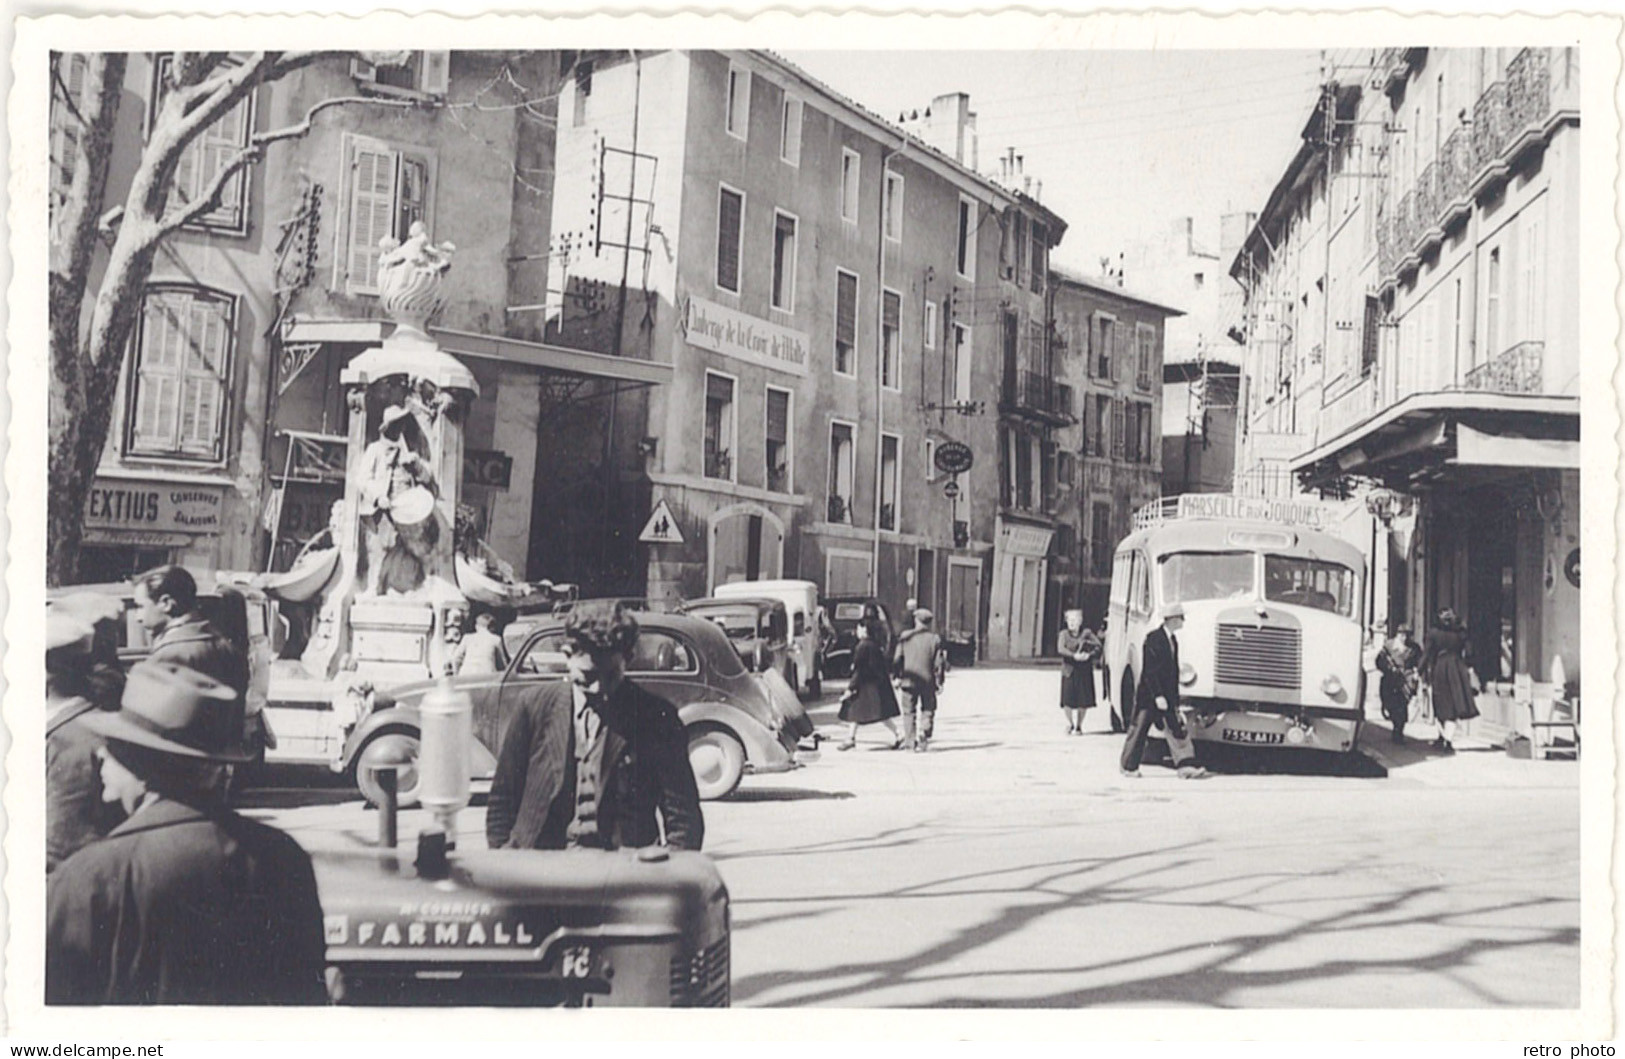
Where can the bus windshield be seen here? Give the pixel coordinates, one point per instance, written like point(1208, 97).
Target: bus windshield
point(1315, 583)
point(1190, 576)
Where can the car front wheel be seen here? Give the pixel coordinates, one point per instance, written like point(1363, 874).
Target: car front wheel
point(397, 750)
point(718, 760)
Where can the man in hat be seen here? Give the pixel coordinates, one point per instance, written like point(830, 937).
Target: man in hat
point(594, 761)
point(74, 684)
point(917, 662)
point(185, 902)
point(166, 599)
point(1157, 699)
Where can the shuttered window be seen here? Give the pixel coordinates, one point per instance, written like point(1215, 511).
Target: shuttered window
point(891, 312)
point(784, 262)
point(205, 156)
point(182, 366)
point(777, 446)
point(1040, 245)
point(1119, 423)
point(390, 190)
point(730, 215)
point(846, 322)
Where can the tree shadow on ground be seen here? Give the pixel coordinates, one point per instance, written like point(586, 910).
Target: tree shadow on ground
point(785, 794)
point(1214, 973)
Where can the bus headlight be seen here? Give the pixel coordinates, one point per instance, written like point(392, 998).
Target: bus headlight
point(1332, 687)
point(1187, 674)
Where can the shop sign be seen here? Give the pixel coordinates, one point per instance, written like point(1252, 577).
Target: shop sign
point(1307, 513)
point(953, 457)
point(152, 507)
point(734, 334)
point(1026, 540)
point(490, 469)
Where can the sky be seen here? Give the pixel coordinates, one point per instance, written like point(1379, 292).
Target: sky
point(1125, 142)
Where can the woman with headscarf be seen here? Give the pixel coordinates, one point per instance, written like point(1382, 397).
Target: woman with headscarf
point(1079, 647)
point(1450, 682)
point(869, 696)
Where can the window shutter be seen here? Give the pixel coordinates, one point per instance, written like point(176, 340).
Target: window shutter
point(718, 388)
point(1119, 418)
point(846, 308)
point(892, 310)
point(778, 416)
point(436, 67)
point(730, 207)
point(372, 207)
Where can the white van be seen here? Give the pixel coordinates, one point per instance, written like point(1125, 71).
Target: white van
point(800, 599)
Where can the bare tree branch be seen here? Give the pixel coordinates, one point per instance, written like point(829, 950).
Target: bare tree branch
point(207, 202)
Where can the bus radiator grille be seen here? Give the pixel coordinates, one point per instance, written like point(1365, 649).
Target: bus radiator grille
point(1265, 658)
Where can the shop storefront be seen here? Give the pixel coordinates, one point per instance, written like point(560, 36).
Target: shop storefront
point(135, 523)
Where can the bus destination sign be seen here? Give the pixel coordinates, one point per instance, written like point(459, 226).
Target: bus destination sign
point(1307, 513)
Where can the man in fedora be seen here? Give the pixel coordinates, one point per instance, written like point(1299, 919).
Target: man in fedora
point(74, 685)
point(185, 902)
point(1157, 698)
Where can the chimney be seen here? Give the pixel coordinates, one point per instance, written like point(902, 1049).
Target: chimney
point(949, 125)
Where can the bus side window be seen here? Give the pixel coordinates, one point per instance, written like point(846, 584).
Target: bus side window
point(1119, 592)
point(1142, 597)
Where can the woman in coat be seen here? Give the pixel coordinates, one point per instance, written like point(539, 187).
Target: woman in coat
point(1444, 668)
point(1079, 647)
point(869, 696)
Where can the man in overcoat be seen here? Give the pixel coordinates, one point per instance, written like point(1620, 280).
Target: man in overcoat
point(917, 663)
point(1157, 698)
point(185, 902)
point(167, 601)
point(74, 813)
point(594, 761)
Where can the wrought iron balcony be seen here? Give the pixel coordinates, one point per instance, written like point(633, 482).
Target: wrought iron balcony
point(1517, 370)
point(1037, 394)
point(1428, 206)
point(1492, 124)
point(888, 517)
point(1455, 176)
point(778, 478)
point(839, 509)
point(1529, 88)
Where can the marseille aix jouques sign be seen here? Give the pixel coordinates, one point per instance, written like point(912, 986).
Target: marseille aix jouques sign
point(734, 334)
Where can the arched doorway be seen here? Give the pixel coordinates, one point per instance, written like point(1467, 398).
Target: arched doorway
point(745, 543)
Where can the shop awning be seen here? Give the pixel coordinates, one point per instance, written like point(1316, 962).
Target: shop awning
point(540, 355)
point(1450, 437)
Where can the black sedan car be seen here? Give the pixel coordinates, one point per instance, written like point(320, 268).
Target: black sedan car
point(844, 613)
point(736, 720)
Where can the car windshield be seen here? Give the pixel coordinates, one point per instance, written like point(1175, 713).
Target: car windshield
point(1188, 576)
point(738, 622)
point(1314, 583)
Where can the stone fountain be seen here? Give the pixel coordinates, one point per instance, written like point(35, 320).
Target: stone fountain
point(383, 621)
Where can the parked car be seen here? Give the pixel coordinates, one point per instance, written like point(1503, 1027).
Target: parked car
point(242, 614)
point(800, 599)
point(736, 720)
point(759, 629)
point(844, 613)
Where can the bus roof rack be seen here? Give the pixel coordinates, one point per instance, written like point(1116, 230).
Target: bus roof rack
point(1285, 511)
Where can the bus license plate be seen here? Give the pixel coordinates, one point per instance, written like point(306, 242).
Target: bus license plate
point(1242, 735)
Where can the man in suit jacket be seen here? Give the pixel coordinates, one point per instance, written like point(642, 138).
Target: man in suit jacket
point(1157, 698)
point(594, 761)
point(185, 902)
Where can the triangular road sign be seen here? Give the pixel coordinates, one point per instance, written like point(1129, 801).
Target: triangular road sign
point(661, 527)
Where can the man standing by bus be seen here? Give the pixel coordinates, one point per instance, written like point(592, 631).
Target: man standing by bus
point(1157, 698)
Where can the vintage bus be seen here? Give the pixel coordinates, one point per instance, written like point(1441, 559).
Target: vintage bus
point(1271, 653)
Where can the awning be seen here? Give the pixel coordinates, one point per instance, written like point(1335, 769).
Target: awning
point(1459, 436)
point(540, 355)
point(1478, 448)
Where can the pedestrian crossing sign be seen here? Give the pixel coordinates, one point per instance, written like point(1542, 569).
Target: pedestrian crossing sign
point(661, 527)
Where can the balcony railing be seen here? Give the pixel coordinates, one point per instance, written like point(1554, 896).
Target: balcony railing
point(1031, 391)
point(1509, 117)
point(1529, 88)
point(778, 478)
point(1455, 170)
point(1492, 124)
point(1517, 370)
point(1349, 408)
point(888, 516)
point(839, 509)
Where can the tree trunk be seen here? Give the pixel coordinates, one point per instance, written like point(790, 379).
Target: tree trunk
point(72, 372)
